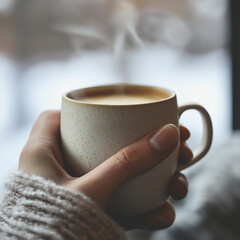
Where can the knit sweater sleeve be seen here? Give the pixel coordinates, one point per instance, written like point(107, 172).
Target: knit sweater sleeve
point(36, 208)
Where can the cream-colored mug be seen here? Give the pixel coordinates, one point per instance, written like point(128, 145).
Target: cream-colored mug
point(97, 122)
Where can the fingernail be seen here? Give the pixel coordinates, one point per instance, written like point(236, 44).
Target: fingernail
point(165, 139)
point(178, 188)
point(183, 180)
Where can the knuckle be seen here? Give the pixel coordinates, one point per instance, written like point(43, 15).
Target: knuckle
point(48, 114)
point(35, 150)
point(129, 160)
point(31, 151)
point(36, 156)
point(27, 155)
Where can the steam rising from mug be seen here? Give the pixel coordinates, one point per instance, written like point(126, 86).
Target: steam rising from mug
point(117, 25)
point(124, 17)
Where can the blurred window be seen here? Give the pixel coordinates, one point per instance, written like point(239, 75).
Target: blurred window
point(48, 47)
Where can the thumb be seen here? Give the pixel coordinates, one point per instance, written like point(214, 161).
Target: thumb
point(130, 162)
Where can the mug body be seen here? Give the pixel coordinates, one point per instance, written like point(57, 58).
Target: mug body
point(91, 133)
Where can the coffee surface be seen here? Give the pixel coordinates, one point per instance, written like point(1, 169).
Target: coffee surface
point(122, 99)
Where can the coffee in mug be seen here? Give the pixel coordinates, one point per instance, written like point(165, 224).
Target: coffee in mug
point(126, 97)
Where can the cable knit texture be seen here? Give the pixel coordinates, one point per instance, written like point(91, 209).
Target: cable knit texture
point(36, 208)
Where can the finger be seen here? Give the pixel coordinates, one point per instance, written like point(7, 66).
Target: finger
point(41, 154)
point(46, 131)
point(47, 126)
point(184, 133)
point(161, 218)
point(185, 154)
point(178, 187)
point(128, 163)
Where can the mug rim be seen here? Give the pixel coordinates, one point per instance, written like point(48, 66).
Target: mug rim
point(66, 96)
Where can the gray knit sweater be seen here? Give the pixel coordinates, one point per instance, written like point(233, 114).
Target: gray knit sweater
point(36, 208)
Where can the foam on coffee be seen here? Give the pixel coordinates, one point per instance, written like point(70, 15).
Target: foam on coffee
point(121, 99)
point(111, 95)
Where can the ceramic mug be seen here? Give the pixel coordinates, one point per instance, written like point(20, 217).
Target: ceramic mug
point(92, 132)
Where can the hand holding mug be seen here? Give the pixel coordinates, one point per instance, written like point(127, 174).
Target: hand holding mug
point(42, 156)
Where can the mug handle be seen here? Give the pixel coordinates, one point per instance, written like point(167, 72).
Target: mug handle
point(206, 141)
